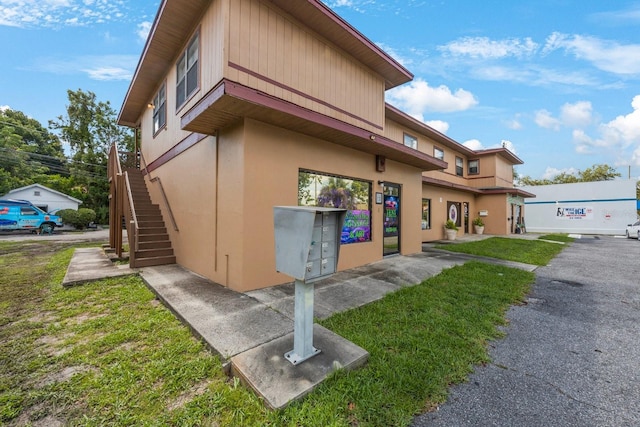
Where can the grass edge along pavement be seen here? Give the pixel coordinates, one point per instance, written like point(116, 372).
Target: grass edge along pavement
point(535, 252)
point(104, 353)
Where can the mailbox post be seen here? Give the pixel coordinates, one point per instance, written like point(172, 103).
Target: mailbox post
point(307, 243)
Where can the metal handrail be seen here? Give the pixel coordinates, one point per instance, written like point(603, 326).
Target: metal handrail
point(164, 195)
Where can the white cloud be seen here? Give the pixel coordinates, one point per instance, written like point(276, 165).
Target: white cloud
point(606, 55)
point(514, 124)
point(635, 157)
point(485, 48)
point(550, 173)
point(143, 30)
point(623, 130)
point(473, 144)
point(417, 97)
point(618, 17)
point(108, 73)
point(476, 145)
point(4, 108)
point(578, 114)
point(438, 125)
point(533, 75)
point(545, 120)
point(340, 3)
point(404, 61)
point(108, 67)
point(53, 13)
point(615, 136)
point(508, 145)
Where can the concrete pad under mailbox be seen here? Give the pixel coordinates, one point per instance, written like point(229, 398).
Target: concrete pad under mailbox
point(265, 369)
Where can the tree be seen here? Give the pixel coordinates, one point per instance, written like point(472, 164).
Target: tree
point(601, 172)
point(336, 193)
point(28, 152)
point(90, 128)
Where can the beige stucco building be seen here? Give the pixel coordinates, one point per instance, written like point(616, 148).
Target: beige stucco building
point(243, 105)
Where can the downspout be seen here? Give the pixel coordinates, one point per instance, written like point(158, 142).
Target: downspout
point(215, 198)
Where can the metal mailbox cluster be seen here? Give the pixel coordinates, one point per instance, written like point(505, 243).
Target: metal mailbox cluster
point(307, 243)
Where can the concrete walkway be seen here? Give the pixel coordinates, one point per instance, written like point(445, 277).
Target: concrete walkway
point(253, 330)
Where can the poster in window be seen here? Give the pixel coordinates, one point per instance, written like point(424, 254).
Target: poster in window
point(356, 227)
point(453, 212)
point(390, 216)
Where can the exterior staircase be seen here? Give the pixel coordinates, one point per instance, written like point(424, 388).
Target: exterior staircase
point(154, 246)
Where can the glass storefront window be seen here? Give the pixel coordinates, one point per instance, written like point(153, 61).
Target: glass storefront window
point(317, 189)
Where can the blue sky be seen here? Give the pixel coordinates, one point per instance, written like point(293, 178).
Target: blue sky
point(557, 82)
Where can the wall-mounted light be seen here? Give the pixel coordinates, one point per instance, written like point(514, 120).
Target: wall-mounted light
point(150, 105)
point(372, 137)
point(380, 182)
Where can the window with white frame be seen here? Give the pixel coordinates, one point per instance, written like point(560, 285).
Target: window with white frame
point(411, 141)
point(459, 166)
point(438, 153)
point(187, 72)
point(160, 109)
point(474, 167)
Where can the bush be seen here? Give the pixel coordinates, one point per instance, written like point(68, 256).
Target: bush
point(78, 219)
point(102, 215)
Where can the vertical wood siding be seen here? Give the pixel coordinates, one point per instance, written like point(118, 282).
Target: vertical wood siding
point(265, 46)
point(211, 58)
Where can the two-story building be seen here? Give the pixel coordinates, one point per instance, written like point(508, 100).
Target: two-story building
point(245, 105)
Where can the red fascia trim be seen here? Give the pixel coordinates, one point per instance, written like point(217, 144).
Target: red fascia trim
point(302, 94)
point(361, 38)
point(260, 98)
point(176, 150)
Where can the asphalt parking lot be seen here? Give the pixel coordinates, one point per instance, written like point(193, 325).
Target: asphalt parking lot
point(571, 355)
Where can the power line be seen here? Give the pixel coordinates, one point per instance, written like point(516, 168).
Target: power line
point(43, 132)
point(59, 159)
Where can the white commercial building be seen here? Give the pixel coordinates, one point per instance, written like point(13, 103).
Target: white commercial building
point(602, 207)
point(43, 197)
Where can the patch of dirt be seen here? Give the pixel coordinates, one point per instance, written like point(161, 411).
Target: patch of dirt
point(64, 375)
point(33, 416)
point(186, 397)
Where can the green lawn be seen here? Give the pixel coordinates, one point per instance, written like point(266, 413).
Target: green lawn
point(108, 353)
point(534, 252)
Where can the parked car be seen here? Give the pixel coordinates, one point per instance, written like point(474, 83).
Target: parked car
point(23, 215)
point(633, 230)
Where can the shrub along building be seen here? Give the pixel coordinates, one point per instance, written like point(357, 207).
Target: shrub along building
point(249, 104)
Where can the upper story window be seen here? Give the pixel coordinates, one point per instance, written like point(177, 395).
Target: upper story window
point(411, 141)
point(459, 166)
point(160, 109)
point(438, 153)
point(187, 72)
point(474, 167)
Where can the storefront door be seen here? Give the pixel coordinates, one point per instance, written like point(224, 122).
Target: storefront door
point(391, 217)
